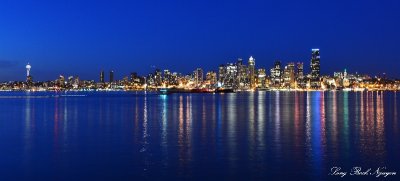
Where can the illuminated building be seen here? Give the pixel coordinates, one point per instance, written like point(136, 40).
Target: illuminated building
point(125, 80)
point(61, 81)
point(198, 77)
point(221, 74)
point(289, 76)
point(261, 79)
point(158, 77)
point(70, 79)
point(150, 80)
point(167, 78)
point(75, 82)
point(28, 69)
point(211, 78)
point(276, 74)
point(315, 68)
point(300, 71)
point(175, 79)
point(227, 76)
point(252, 72)
point(242, 78)
point(300, 78)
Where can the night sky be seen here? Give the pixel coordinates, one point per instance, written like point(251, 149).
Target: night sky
point(81, 38)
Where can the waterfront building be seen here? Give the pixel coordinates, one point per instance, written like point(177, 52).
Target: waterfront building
point(315, 68)
point(300, 78)
point(211, 79)
point(227, 76)
point(198, 77)
point(76, 82)
point(261, 78)
point(221, 74)
point(252, 63)
point(289, 76)
point(174, 79)
point(166, 78)
point(150, 81)
point(276, 74)
point(242, 78)
point(300, 71)
point(158, 78)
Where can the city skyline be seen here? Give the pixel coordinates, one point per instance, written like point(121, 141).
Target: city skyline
point(199, 90)
point(313, 71)
point(63, 37)
point(230, 76)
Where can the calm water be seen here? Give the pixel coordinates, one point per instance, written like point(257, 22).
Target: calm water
point(244, 136)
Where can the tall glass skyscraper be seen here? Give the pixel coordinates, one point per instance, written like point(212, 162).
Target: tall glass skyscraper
point(315, 68)
point(252, 72)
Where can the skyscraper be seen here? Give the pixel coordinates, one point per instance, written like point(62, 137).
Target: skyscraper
point(211, 78)
point(252, 72)
point(167, 77)
point(230, 76)
point(111, 76)
point(158, 77)
point(276, 74)
point(289, 75)
point(221, 74)
point(300, 74)
point(240, 75)
point(315, 68)
point(102, 76)
point(261, 75)
point(198, 76)
point(301, 83)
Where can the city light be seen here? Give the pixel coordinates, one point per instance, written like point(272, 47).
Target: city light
point(230, 77)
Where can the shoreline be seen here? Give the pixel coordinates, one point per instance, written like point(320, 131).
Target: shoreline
point(189, 92)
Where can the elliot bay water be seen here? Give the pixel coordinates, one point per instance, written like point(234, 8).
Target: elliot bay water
point(238, 136)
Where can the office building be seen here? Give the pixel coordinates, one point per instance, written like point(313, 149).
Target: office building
point(261, 79)
point(111, 76)
point(315, 69)
point(252, 64)
point(198, 77)
point(211, 79)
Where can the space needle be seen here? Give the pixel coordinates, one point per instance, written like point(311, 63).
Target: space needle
point(28, 69)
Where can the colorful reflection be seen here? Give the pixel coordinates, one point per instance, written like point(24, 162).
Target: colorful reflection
point(256, 134)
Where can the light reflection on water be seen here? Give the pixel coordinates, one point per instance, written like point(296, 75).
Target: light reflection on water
point(253, 135)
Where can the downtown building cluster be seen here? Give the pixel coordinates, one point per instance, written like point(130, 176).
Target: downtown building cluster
point(237, 76)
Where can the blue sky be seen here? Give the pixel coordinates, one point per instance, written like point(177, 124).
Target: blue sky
point(82, 38)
